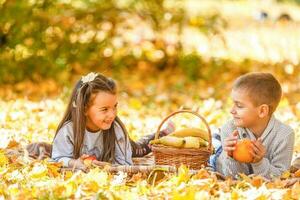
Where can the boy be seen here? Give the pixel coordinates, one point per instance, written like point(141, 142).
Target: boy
point(255, 97)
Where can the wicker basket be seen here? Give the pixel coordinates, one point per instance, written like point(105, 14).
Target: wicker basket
point(193, 158)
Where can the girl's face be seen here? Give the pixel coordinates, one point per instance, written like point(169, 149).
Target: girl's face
point(102, 111)
point(245, 113)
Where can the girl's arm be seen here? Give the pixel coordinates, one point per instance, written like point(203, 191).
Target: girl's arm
point(141, 147)
point(62, 151)
point(62, 148)
point(39, 150)
point(123, 150)
point(127, 148)
point(79, 163)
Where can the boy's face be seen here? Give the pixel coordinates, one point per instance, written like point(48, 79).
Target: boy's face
point(102, 111)
point(244, 112)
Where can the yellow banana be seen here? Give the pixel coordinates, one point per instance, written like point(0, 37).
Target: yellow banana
point(196, 132)
point(169, 141)
point(194, 142)
point(202, 142)
point(191, 142)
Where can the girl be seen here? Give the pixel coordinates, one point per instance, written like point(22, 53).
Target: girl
point(90, 127)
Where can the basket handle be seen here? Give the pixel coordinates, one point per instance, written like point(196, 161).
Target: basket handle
point(186, 111)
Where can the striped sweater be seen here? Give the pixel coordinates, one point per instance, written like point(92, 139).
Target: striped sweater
point(278, 140)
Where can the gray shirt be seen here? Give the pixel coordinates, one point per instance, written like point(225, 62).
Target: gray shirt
point(278, 140)
point(62, 150)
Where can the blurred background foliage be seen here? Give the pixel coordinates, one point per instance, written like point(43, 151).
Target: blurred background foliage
point(59, 38)
point(204, 43)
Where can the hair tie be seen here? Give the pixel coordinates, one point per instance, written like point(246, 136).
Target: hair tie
point(89, 77)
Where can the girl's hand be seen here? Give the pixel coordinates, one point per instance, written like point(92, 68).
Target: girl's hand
point(140, 151)
point(170, 128)
point(230, 142)
point(79, 163)
point(100, 163)
point(88, 160)
point(258, 150)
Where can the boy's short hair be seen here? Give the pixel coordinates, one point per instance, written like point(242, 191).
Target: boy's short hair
point(262, 88)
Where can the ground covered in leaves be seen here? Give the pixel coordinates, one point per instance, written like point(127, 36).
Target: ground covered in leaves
point(23, 121)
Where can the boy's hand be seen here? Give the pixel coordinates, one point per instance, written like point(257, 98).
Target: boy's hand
point(230, 142)
point(258, 150)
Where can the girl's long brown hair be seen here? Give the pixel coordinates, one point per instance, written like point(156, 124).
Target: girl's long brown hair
point(80, 99)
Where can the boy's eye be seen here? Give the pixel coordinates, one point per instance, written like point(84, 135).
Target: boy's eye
point(103, 109)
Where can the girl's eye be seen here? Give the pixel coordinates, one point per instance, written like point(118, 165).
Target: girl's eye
point(104, 110)
point(239, 106)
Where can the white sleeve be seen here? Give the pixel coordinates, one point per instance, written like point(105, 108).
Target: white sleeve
point(123, 151)
point(62, 149)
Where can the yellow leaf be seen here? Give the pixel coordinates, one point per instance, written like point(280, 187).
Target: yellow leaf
point(183, 174)
point(59, 190)
point(38, 171)
point(245, 177)
point(91, 186)
point(202, 174)
point(296, 190)
point(53, 169)
point(13, 144)
point(185, 194)
point(3, 159)
point(287, 195)
point(13, 189)
point(286, 175)
point(156, 176)
point(135, 103)
point(235, 195)
point(67, 174)
point(262, 197)
point(65, 190)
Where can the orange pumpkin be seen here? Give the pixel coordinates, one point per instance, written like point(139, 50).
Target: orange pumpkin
point(242, 151)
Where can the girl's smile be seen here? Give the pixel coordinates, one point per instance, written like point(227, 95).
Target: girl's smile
point(102, 111)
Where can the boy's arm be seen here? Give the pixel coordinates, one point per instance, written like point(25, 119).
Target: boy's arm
point(226, 164)
point(281, 158)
